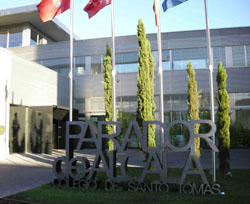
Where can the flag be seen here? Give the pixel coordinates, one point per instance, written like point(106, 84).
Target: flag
point(95, 5)
point(48, 9)
point(156, 9)
point(171, 3)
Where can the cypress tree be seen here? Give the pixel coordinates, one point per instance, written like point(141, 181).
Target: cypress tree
point(223, 120)
point(108, 88)
point(193, 105)
point(145, 83)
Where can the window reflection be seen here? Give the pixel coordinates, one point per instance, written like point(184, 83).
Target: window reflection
point(242, 99)
point(238, 56)
point(181, 57)
point(219, 55)
point(60, 65)
point(15, 37)
point(172, 102)
point(37, 39)
point(33, 39)
point(80, 104)
point(3, 38)
point(127, 62)
point(96, 64)
point(80, 66)
point(126, 68)
point(248, 54)
point(166, 60)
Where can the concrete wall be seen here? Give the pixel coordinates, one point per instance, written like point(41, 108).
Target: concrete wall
point(28, 84)
point(5, 69)
point(35, 85)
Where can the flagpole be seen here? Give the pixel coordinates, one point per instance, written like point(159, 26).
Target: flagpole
point(160, 73)
point(71, 62)
point(210, 67)
point(113, 60)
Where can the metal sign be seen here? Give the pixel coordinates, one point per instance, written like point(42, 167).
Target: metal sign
point(79, 173)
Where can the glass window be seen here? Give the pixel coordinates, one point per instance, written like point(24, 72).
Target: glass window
point(198, 56)
point(42, 40)
point(219, 55)
point(129, 103)
point(118, 103)
point(3, 38)
point(15, 37)
point(60, 65)
point(33, 38)
point(166, 60)
point(242, 99)
point(126, 68)
point(172, 102)
point(243, 117)
point(238, 56)
point(175, 115)
point(167, 102)
point(179, 101)
point(205, 101)
point(248, 54)
point(96, 64)
point(130, 57)
point(80, 66)
point(127, 62)
point(80, 104)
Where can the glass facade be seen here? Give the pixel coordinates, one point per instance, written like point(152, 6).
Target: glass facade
point(11, 37)
point(80, 68)
point(60, 65)
point(126, 62)
point(15, 37)
point(197, 56)
point(242, 99)
point(248, 55)
point(80, 105)
point(3, 38)
point(37, 39)
point(172, 102)
point(219, 56)
point(238, 56)
point(166, 65)
point(33, 38)
point(127, 103)
point(96, 64)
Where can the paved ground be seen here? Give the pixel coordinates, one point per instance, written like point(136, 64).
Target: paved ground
point(25, 171)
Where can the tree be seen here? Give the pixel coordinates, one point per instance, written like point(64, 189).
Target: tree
point(108, 88)
point(223, 120)
point(193, 105)
point(145, 83)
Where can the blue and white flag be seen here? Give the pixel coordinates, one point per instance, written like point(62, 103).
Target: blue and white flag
point(171, 3)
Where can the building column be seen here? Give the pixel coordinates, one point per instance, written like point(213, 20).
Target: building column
point(26, 36)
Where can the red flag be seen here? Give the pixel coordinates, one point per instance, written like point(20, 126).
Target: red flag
point(95, 5)
point(156, 9)
point(48, 9)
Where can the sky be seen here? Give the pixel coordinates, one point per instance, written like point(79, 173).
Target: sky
point(186, 16)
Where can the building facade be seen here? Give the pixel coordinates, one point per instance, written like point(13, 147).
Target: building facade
point(231, 46)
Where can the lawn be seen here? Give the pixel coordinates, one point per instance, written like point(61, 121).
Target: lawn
point(236, 188)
